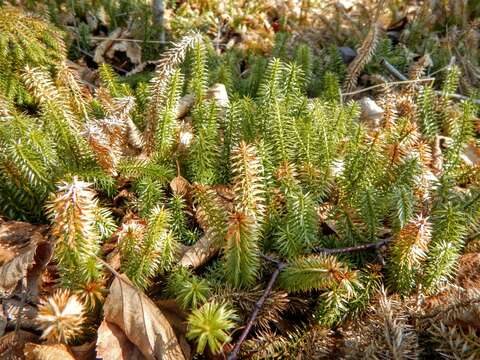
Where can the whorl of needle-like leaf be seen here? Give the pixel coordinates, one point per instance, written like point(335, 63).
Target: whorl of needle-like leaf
point(107, 153)
point(209, 325)
point(241, 252)
point(76, 93)
point(299, 229)
point(312, 272)
point(40, 83)
point(73, 212)
point(165, 131)
point(189, 290)
point(407, 253)
point(25, 39)
point(146, 251)
point(210, 214)
point(248, 183)
point(60, 121)
point(388, 332)
point(61, 317)
point(166, 67)
point(449, 231)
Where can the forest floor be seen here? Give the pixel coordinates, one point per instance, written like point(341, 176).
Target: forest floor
point(211, 179)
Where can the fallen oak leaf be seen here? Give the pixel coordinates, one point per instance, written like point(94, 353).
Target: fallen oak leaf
point(30, 263)
point(47, 352)
point(118, 42)
point(199, 253)
point(178, 320)
point(12, 344)
point(180, 185)
point(142, 321)
point(14, 236)
point(113, 344)
point(85, 351)
point(18, 314)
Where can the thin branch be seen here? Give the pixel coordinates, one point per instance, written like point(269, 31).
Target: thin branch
point(234, 354)
point(387, 83)
point(346, 250)
point(130, 40)
point(393, 70)
point(216, 42)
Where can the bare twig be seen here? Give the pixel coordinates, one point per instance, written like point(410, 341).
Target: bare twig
point(279, 267)
point(234, 354)
point(388, 83)
point(130, 40)
point(392, 70)
point(345, 250)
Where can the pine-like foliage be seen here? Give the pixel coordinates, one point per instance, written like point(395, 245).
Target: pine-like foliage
point(73, 211)
point(316, 272)
point(189, 290)
point(25, 40)
point(209, 324)
point(365, 53)
point(408, 252)
point(242, 249)
point(147, 249)
point(449, 230)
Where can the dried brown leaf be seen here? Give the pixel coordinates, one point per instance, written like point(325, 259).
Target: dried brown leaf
point(180, 185)
point(14, 236)
point(47, 352)
point(31, 262)
point(141, 321)
point(113, 344)
point(13, 343)
point(184, 105)
point(118, 42)
point(11, 308)
point(85, 351)
point(178, 320)
point(199, 253)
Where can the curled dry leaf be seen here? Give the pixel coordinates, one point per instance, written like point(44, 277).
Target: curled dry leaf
point(31, 262)
point(12, 345)
point(85, 351)
point(180, 185)
point(471, 154)
point(218, 92)
point(47, 352)
point(142, 321)
point(11, 308)
point(113, 344)
point(15, 236)
point(108, 47)
point(178, 320)
point(199, 253)
point(184, 105)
